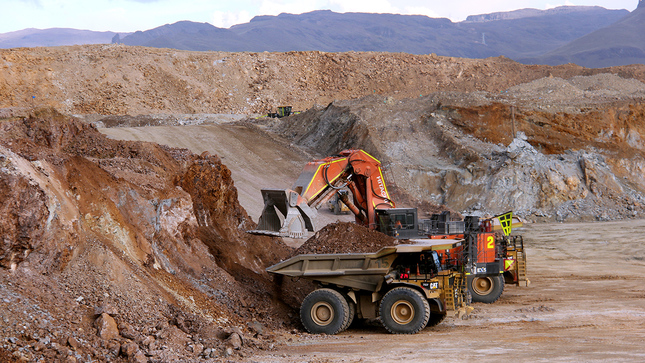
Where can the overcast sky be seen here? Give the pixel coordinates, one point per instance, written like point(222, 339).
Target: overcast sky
point(132, 15)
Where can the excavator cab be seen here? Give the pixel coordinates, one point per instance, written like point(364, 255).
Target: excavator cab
point(400, 223)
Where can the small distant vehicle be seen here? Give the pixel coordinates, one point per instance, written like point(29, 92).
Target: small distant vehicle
point(283, 111)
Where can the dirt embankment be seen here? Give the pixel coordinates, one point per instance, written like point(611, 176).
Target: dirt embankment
point(118, 79)
point(117, 250)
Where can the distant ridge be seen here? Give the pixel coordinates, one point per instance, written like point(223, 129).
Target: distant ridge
point(527, 13)
point(621, 43)
point(54, 37)
point(526, 33)
point(587, 35)
point(186, 35)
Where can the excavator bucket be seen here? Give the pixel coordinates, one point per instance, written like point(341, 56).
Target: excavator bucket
point(285, 214)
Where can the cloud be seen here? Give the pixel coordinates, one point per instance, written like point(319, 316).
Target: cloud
point(566, 3)
point(420, 10)
point(225, 19)
point(275, 7)
point(374, 6)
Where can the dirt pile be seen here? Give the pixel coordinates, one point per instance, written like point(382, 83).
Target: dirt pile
point(117, 250)
point(118, 79)
point(345, 237)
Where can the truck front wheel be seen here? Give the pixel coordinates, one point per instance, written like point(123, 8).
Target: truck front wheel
point(404, 311)
point(324, 311)
point(486, 289)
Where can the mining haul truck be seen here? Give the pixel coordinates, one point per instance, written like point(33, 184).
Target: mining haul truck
point(405, 285)
point(488, 258)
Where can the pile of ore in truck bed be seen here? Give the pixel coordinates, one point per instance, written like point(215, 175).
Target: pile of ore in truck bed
point(345, 237)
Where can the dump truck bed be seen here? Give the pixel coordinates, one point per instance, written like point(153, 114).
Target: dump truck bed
point(364, 271)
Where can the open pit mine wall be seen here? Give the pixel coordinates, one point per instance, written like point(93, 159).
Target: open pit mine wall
point(432, 152)
point(124, 80)
point(160, 221)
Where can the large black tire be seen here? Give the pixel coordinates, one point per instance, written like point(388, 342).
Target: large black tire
point(324, 311)
point(404, 311)
point(351, 312)
point(435, 319)
point(486, 289)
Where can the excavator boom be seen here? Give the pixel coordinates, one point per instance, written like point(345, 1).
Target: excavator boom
point(291, 212)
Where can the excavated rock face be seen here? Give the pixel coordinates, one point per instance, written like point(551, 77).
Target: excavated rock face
point(22, 212)
point(119, 80)
point(577, 155)
point(156, 234)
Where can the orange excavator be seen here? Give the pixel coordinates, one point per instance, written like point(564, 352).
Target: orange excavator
point(292, 212)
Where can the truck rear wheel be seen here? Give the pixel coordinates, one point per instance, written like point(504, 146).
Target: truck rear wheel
point(404, 311)
point(324, 311)
point(351, 313)
point(486, 289)
point(435, 319)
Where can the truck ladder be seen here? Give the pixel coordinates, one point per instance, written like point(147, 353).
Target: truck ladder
point(520, 257)
point(521, 268)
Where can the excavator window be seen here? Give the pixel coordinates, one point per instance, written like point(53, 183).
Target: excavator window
point(403, 221)
point(398, 222)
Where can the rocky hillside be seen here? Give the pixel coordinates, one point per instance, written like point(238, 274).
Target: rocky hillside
point(140, 249)
point(413, 107)
point(118, 79)
point(578, 154)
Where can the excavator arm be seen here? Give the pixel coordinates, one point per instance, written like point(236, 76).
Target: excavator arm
point(291, 212)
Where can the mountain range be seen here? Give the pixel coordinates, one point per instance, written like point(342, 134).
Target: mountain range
point(53, 37)
point(588, 36)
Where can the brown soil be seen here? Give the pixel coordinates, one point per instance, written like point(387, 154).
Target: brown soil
point(152, 236)
point(556, 132)
point(118, 79)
